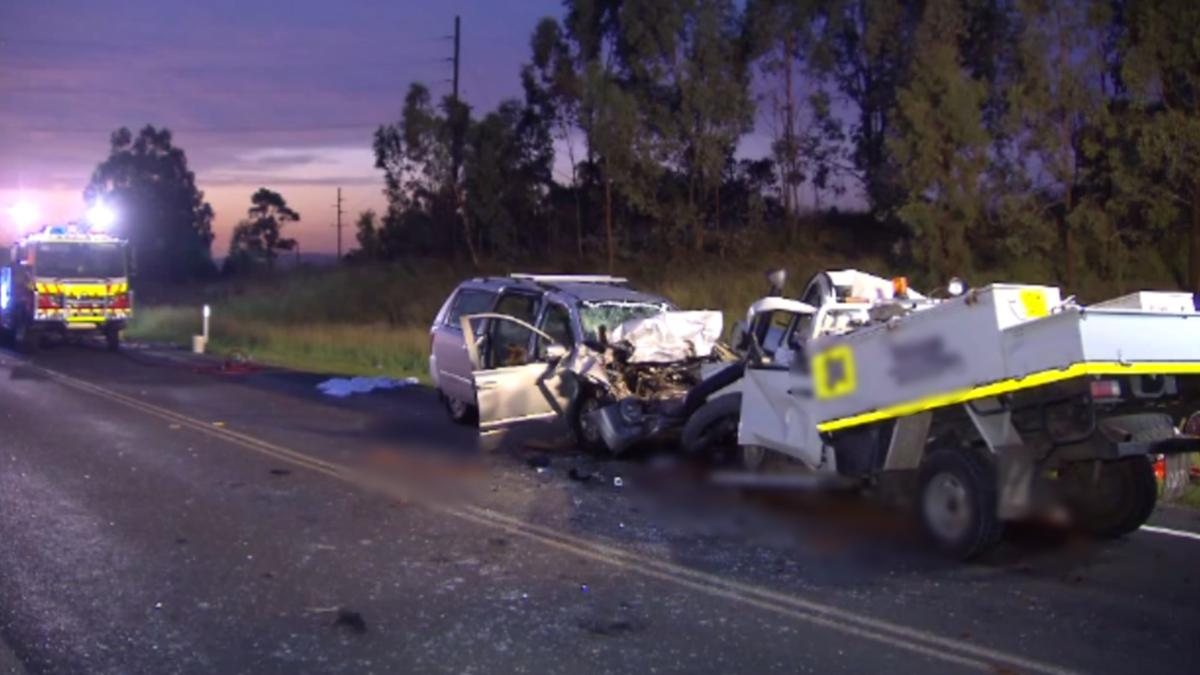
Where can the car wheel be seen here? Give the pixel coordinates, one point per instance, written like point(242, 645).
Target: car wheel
point(1110, 499)
point(587, 434)
point(460, 412)
point(958, 501)
point(712, 430)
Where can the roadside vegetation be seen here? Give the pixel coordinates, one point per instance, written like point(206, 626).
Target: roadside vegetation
point(373, 318)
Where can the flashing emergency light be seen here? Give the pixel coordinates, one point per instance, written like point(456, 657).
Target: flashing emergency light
point(24, 214)
point(100, 216)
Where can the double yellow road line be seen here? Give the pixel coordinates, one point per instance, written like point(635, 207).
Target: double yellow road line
point(890, 634)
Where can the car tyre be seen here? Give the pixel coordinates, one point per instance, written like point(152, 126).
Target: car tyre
point(957, 501)
point(460, 412)
point(587, 435)
point(711, 431)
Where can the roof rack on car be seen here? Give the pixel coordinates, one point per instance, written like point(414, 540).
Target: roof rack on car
point(571, 278)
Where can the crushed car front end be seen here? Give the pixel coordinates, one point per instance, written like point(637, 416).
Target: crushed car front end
point(653, 371)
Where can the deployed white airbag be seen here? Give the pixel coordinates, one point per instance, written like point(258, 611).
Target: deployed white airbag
point(671, 336)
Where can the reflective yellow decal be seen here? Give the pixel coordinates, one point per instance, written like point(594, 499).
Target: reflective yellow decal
point(75, 290)
point(833, 372)
point(1038, 379)
point(1034, 302)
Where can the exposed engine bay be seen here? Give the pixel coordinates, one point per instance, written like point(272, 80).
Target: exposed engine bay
point(648, 368)
point(662, 356)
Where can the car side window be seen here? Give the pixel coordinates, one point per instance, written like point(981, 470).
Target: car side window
point(556, 322)
point(799, 335)
point(519, 306)
point(469, 301)
point(509, 342)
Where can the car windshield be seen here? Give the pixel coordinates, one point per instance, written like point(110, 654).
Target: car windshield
point(611, 314)
point(79, 260)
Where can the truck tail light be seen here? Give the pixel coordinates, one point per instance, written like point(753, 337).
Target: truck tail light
point(1105, 389)
point(47, 301)
point(119, 301)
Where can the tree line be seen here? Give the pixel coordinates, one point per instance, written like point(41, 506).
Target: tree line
point(1065, 135)
point(167, 221)
point(1056, 139)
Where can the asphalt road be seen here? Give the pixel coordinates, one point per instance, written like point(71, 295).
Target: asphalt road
point(161, 516)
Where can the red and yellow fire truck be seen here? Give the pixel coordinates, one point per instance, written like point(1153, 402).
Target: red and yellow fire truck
point(65, 280)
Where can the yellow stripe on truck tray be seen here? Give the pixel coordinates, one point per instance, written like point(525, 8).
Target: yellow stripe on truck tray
point(1037, 379)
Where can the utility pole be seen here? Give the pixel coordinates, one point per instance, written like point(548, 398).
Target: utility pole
point(339, 225)
point(458, 128)
point(457, 36)
point(457, 142)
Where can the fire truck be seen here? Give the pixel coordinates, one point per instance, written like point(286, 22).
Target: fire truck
point(65, 280)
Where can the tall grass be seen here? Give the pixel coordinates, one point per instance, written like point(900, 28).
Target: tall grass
point(375, 318)
point(355, 349)
point(326, 347)
point(354, 320)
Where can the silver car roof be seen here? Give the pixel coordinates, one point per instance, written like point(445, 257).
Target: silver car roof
point(580, 291)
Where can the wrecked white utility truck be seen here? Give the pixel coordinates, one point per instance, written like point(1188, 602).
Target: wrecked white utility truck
point(999, 403)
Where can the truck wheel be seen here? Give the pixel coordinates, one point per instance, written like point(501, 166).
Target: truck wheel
point(25, 338)
point(1110, 499)
point(711, 431)
point(112, 339)
point(957, 501)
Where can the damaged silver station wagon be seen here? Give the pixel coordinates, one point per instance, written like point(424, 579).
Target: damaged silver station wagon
point(552, 355)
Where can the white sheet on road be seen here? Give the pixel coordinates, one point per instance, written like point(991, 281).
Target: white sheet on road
point(671, 336)
point(341, 387)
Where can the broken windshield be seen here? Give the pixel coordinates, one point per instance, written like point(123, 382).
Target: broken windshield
point(592, 315)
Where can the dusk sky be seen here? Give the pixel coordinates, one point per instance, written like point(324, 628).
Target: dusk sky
point(284, 95)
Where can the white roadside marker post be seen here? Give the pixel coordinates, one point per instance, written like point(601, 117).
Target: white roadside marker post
point(200, 342)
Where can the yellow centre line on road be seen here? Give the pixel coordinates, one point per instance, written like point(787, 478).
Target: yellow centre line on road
point(906, 638)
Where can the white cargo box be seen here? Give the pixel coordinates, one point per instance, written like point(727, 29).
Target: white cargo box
point(1152, 301)
point(995, 339)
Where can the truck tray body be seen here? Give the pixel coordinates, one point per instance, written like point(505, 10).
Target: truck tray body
point(994, 340)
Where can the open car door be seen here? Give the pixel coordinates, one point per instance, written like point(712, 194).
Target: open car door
point(518, 383)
